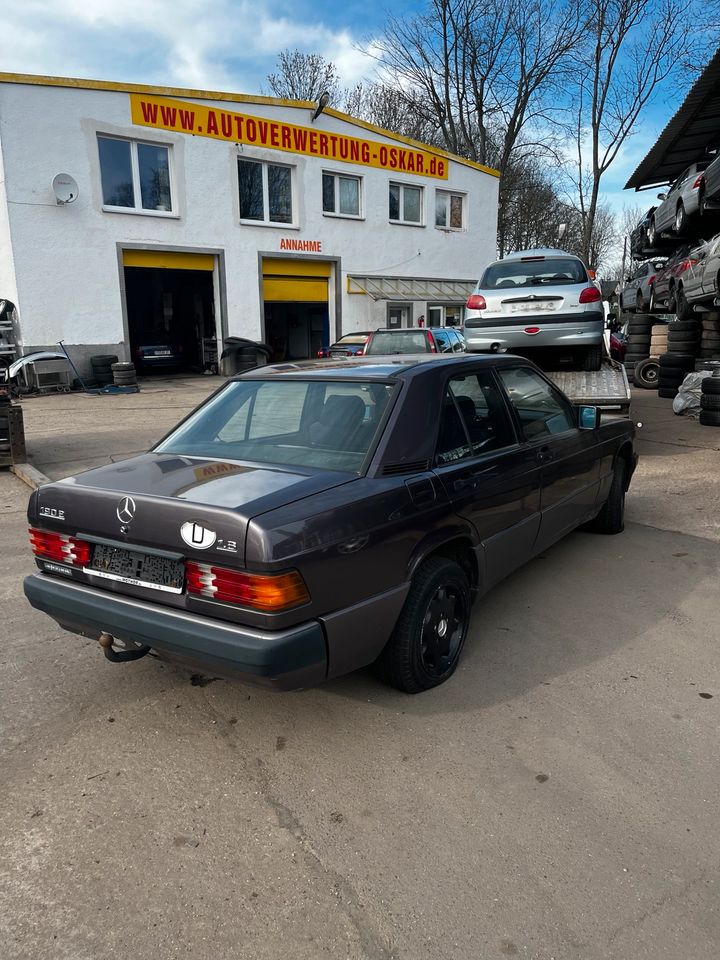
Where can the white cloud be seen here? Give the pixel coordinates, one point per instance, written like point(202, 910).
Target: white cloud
point(230, 45)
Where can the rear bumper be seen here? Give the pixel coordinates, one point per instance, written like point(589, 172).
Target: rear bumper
point(284, 659)
point(579, 331)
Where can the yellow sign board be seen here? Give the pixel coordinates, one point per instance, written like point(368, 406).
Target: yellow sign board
point(182, 116)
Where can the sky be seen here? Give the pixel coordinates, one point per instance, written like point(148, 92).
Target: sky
point(232, 45)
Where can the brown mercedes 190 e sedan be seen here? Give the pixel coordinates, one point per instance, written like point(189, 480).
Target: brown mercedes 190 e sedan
point(311, 518)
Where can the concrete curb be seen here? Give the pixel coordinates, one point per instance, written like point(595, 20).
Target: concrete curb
point(29, 475)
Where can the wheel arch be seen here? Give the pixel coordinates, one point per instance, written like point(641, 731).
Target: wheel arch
point(625, 453)
point(461, 547)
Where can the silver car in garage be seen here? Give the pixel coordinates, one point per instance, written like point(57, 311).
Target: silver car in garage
point(537, 299)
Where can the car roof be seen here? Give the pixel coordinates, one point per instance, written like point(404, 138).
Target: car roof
point(538, 252)
point(372, 368)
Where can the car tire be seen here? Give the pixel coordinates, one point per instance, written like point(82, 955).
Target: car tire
point(652, 232)
point(683, 308)
point(417, 656)
point(709, 402)
point(639, 339)
point(668, 393)
point(710, 418)
point(611, 519)
point(122, 365)
point(711, 386)
point(681, 220)
point(683, 346)
point(593, 358)
point(683, 325)
point(646, 374)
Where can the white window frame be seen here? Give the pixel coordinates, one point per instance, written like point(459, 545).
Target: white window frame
point(463, 210)
point(265, 222)
point(172, 213)
point(412, 186)
point(336, 175)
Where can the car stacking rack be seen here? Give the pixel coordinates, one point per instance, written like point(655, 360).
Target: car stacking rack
point(607, 387)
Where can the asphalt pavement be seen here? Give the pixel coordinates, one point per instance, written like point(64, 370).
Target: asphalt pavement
point(558, 798)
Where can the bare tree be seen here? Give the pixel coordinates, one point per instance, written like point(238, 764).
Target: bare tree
point(304, 76)
point(633, 46)
point(483, 71)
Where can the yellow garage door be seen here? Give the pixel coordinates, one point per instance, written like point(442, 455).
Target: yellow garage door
point(168, 260)
point(302, 281)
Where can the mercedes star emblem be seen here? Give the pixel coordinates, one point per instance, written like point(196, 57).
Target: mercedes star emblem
point(126, 510)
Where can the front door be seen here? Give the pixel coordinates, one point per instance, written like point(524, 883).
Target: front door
point(567, 455)
point(492, 480)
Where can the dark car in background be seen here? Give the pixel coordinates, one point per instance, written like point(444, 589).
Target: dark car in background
point(639, 243)
point(153, 350)
point(391, 340)
point(350, 345)
point(311, 518)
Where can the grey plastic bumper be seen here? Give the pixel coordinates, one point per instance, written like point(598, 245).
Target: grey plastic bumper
point(283, 659)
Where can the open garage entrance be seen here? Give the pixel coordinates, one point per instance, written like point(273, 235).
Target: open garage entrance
point(296, 307)
point(170, 300)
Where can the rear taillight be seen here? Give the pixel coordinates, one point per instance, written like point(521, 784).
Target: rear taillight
point(58, 546)
point(359, 353)
point(321, 353)
point(269, 593)
point(698, 181)
point(652, 278)
point(476, 302)
point(531, 330)
point(431, 343)
point(590, 295)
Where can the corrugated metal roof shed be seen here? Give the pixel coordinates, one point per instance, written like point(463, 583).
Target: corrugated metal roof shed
point(693, 130)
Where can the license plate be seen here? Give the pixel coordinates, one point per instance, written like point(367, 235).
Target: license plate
point(136, 568)
point(162, 353)
point(532, 306)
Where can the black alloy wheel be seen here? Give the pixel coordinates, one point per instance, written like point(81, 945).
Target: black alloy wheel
point(652, 233)
point(425, 647)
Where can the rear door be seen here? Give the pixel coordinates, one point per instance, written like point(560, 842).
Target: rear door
point(567, 456)
point(492, 480)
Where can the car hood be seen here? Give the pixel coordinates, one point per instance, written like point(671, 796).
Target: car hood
point(169, 492)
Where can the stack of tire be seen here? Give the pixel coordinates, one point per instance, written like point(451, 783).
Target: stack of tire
point(674, 367)
point(710, 401)
point(638, 341)
point(124, 374)
point(710, 337)
point(683, 336)
point(101, 365)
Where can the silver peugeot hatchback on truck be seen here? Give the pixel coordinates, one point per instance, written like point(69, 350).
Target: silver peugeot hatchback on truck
point(537, 299)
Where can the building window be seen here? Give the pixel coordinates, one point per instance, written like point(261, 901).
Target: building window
point(134, 175)
point(405, 203)
point(341, 195)
point(265, 192)
point(449, 210)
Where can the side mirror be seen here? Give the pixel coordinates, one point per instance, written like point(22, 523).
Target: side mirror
point(588, 418)
point(662, 196)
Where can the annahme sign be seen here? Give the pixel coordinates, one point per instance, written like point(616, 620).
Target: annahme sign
point(182, 116)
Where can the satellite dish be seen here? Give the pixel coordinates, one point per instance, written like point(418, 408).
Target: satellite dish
point(64, 188)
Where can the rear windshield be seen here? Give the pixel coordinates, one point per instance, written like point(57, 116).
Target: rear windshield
point(352, 338)
point(329, 425)
point(402, 341)
point(533, 273)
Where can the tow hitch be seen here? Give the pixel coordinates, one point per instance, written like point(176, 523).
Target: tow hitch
point(106, 641)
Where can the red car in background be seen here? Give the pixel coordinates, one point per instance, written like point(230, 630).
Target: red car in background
point(668, 295)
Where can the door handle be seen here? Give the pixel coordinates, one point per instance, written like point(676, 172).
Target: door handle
point(544, 455)
point(464, 483)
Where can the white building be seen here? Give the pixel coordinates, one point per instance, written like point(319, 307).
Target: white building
point(203, 215)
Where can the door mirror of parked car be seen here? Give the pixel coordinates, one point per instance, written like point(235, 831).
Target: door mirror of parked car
point(662, 196)
point(588, 418)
